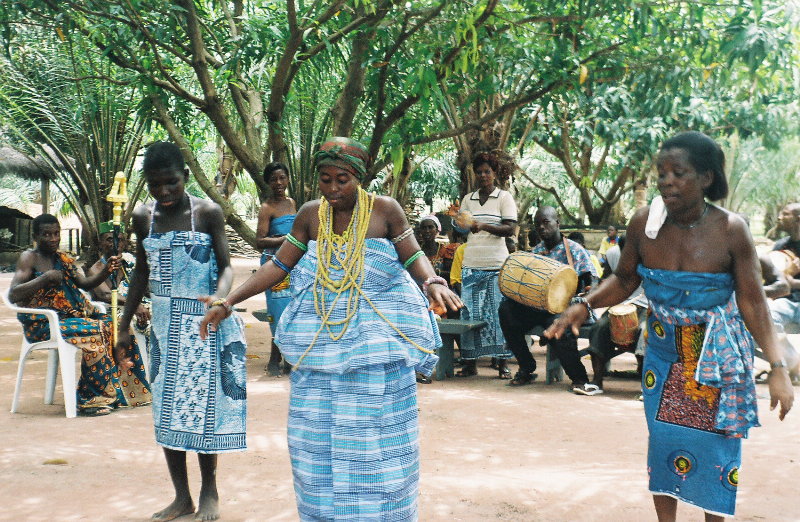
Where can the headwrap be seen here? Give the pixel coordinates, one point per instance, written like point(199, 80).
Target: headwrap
point(433, 218)
point(108, 226)
point(344, 153)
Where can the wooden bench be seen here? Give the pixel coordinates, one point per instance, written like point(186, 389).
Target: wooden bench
point(450, 329)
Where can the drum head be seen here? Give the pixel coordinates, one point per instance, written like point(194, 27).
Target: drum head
point(622, 309)
point(561, 290)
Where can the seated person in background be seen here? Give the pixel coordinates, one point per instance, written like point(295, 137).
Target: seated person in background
point(455, 268)
point(440, 255)
point(601, 348)
point(578, 238)
point(102, 292)
point(516, 319)
point(48, 278)
point(608, 241)
point(777, 287)
point(785, 311)
point(611, 258)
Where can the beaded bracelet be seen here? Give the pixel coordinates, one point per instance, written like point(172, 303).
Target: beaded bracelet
point(413, 258)
point(407, 232)
point(433, 280)
point(224, 304)
point(296, 242)
point(582, 300)
point(280, 264)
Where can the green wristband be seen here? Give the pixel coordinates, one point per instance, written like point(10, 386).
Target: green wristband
point(413, 258)
point(296, 242)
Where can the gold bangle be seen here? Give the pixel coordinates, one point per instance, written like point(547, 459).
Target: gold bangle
point(224, 304)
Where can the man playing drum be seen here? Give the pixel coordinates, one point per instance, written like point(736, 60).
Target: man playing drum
point(517, 319)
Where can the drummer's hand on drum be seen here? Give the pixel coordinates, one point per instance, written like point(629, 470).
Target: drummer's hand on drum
point(573, 317)
point(442, 297)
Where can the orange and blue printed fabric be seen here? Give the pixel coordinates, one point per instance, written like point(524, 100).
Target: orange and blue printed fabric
point(101, 383)
point(698, 387)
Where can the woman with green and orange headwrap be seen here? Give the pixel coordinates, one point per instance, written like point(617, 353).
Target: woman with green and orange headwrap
point(356, 330)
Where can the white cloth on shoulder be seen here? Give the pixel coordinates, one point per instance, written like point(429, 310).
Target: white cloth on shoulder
point(656, 217)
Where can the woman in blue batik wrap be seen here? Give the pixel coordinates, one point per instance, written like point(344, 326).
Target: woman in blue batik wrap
point(699, 393)
point(356, 330)
point(275, 220)
point(198, 381)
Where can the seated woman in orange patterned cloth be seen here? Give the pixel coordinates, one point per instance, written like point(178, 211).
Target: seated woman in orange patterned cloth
point(48, 278)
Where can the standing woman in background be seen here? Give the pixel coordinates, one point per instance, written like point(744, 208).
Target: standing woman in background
point(275, 220)
point(495, 214)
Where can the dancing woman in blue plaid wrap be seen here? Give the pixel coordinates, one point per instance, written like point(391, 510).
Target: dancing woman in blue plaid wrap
point(356, 330)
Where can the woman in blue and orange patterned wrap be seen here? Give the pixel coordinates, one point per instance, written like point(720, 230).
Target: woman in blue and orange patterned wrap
point(48, 278)
point(699, 392)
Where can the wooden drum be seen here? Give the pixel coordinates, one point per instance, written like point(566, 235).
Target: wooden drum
point(624, 322)
point(538, 281)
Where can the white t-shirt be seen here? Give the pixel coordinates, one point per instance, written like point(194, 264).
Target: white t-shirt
point(486, 251)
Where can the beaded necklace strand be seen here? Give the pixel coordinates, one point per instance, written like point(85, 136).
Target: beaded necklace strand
point(343, 252)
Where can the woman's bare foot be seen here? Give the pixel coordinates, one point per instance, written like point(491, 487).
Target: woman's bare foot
point(178, 508)
point(209, 506)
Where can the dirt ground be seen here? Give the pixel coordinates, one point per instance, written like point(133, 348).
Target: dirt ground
point(489, 452)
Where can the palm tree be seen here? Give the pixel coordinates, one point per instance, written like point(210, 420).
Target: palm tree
point(56, 105)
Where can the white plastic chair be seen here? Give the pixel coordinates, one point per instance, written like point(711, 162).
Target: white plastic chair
point(60, 352)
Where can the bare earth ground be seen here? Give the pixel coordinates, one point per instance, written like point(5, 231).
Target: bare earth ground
point(489, 452)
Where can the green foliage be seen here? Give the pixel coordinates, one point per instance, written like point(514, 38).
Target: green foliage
point(54, 107)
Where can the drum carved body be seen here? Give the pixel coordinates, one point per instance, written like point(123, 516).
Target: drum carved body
point(538, 281)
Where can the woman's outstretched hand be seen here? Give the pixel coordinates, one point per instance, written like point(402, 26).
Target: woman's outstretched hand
point(780, 391)
point(213, 316)
point(442, 297)
point(573, 317)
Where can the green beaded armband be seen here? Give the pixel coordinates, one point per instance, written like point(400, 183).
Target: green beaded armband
point(296, 242)
point(413, 258)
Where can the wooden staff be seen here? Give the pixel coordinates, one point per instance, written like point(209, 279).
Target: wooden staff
point(118, 196)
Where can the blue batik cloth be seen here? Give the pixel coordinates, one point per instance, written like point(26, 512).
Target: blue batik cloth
point(353, 428)
point(199, 387)
point(698, 389)
point(277, 301)
point(481, 296)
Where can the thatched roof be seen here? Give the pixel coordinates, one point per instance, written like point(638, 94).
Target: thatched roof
point(12, 212)
point(13, 161)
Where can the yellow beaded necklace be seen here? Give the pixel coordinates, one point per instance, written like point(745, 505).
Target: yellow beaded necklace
point(343, 252)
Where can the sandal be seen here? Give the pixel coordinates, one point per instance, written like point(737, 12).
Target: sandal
point(504, 373)
point(522, 378)
point(469, 370)
point(98, 411)
point(423, 379)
